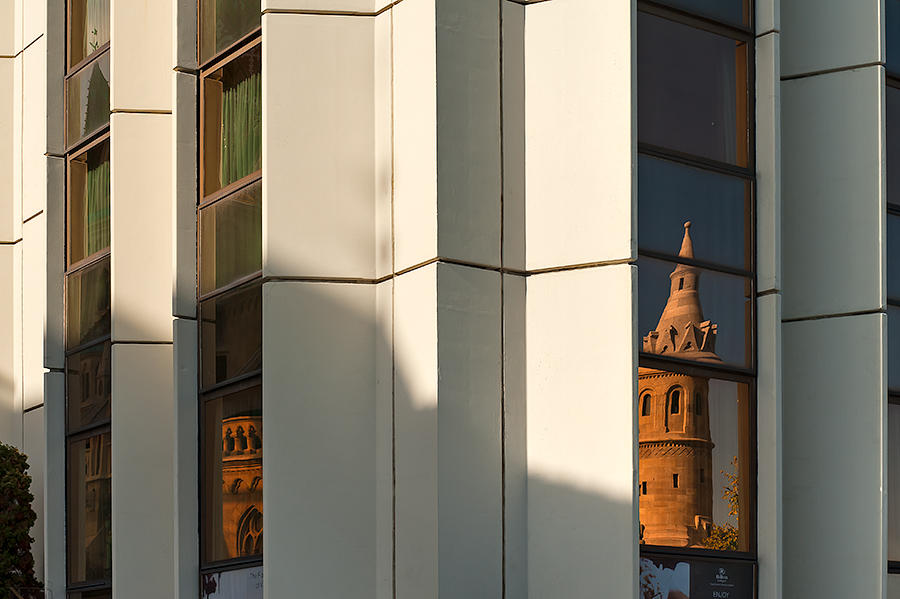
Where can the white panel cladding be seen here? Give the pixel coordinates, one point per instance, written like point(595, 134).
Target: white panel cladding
point(54, 344)
point(11, 349)
point(141, 220)
point(582, 434)
point(186, 555)
point(319, 405)
point(143, 460)
point(184, 195)
point(384, 441)
point(384, 151)
point(34, 19)
point(768, 16)
point(843, 34)
point(365, 7)
point(34, 294)
point(34, 446)
point(8, 28)
point(513, 72)
point(141, 55)
point(834, 206)
point(467, 49)
point(54, 575)
point(34, 128)
point(580, 132)
point(768, 162)
point(318, 146)
point(835, 389)
point(415, 434)
point(10, 205)
point(415, 133)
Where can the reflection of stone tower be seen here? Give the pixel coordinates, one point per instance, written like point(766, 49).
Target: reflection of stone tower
point(673, 413)
point(97, 515)
point(242, 484)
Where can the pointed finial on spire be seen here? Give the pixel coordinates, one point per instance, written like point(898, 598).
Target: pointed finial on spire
point(687, 246)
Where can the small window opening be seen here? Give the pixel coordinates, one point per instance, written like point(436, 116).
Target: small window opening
point(674, 481)
point(644, 488)
point(675, 401)
point(698, 404)
point(702, 475)
point(645, 405)
point(681, 283)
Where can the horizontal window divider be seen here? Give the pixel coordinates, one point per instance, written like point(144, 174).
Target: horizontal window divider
point(92, 585)
point(692, 368)
point(231, 188)
point(96, 54)
point(223, 57)
point(893, 567)
point(232, 385)
point(893, 301)
point(89, 261)
point(891, 80)
point(894, 399)
point(708, 164)
point(835, 315)
point(93, 142)
point(91, 430)
point(88, 141)
point(700, 21)
point(237, 563)
point(694, 262)
point(246, 280)
point(703, 554)
point(88, 345)
point(893, 209)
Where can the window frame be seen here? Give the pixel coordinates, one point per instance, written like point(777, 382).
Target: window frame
point(891, 80)
point(746, 375)
point(90, 136)
point(80, 150)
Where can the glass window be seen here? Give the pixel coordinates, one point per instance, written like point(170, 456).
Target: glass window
point(246, 584)
point(231, 238)
point(892, 37)
point(87, 100)
point(894, 347)
point(88, 523)
point(683, 507)
point(88, 380)
point(88, 28)
point(892, 121)
point(231, 335)
point(87, 304)
point(707, 319)
point(223, 22)
point(734, 12)
point(692, 91)
point(105, 594)
point(88, 217)
point(718, 206)
point(232, 121)
point(893, 482)
point(232, 476)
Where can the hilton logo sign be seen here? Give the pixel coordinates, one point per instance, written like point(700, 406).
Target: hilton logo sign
point(710, 580)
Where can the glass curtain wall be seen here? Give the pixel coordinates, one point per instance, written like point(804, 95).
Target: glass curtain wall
point(696, 404)
point(87, 303)
point(892, 139)
point(229, 217)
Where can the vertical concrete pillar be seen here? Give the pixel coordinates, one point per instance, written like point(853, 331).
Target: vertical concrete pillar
point(833, 305)
point(141, 276)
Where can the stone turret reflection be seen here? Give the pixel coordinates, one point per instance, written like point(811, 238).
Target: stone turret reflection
point(675, 444)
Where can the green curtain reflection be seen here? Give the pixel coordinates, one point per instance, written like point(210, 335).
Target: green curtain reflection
point(96, 25)
point(241, 129)
point(96, 208)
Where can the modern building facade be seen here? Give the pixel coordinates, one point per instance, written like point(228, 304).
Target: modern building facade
point(502, 298)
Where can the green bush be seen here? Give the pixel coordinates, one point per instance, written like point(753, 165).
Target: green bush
point(16, 519)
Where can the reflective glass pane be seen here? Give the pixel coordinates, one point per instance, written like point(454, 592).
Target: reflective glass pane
point(892, 35)
point(88, 509)
point(893, 482)
point(735, 12)
point(223, 22)
point(694, 313)
point(893, 257)
point(87, 97)
point(88, 379)
point(87, 304)
point(892, 121)
point(894, 347)
point(692, 90)
point(88, 217)
point(107, 594)
point(716, 205)
point(232, 476)
point(232, 120)
point(231, 335)
point(235, 584)
point(695, 460)
point(88, 28)
point(231, 238)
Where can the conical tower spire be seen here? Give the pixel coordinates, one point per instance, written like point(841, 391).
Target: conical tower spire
point(682, 328)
